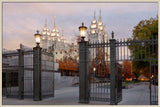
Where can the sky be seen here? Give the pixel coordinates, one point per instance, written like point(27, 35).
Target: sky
point(21, 20)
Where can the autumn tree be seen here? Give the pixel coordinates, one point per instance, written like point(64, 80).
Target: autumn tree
point(127, 69)
point(102, 68)
point(145, 30)
point(69, 62)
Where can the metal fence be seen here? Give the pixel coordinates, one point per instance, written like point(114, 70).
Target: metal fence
point(99, 71)
point(102, 63)
point(10, 70)
point(143, 53)
point(154, 84)
point(119, 82)
point(18, 68)
point(28, 74)
point(47, 69)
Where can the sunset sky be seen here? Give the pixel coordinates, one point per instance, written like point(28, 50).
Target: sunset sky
point(21, 20)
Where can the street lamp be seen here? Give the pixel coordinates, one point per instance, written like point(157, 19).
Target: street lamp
point(82, 30)
point(37, 96)
point(37, 38)
point(94, 69)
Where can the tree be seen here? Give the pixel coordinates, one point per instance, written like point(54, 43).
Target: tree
point(146, 29)
point(69, 63)
point(102, 67)
point(127, 69)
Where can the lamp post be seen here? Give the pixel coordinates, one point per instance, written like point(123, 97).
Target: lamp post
point(83, 74)
point(82, 30)
point(37, 94)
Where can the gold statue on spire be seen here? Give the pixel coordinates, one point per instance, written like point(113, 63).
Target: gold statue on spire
point(54, 21)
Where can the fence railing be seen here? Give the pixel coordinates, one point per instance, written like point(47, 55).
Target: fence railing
point(96, 56)
point(19, 68)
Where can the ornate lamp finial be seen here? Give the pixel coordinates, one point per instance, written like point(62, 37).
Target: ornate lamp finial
point(37, 31)
point(112, 34)
point(54, 21)
point(82, 23)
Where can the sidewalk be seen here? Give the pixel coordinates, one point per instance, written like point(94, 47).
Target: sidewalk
point(138, 95)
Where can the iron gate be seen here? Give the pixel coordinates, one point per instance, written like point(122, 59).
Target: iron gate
point(27, 78)
point(18, 69)
point(99, 72)
point(12, 81)
point(47, 72)
point(102, 64)
point(154, 83)
point(143, 53)
point(10, 74)
point(119, 82)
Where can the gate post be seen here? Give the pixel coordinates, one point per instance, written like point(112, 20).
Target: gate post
point(21, 73)
point(113, 91)
point(37, 73)
point(83, 73)
point(53, 67)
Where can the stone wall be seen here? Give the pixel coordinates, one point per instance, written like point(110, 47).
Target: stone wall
point(47, 81)
point(64, 81)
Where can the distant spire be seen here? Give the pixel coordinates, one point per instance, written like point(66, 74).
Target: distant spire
point(45, 22)
point(62, 32)
point(100, 15)
point(94, 14)
point(54, 21)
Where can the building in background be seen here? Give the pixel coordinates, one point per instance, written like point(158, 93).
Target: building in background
point(97, 33)
point(97, 30)
point(66, 55)
point(61, 47)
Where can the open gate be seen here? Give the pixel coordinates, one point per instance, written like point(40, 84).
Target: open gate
point(142, 53)
point(18, 74)
point(100, 73)
point(101, 65)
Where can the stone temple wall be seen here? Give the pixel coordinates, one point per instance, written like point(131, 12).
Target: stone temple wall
point(47, 81)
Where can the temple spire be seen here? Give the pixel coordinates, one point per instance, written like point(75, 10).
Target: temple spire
point(100, 17)
point(45, 22)
point(94, 14)
point(54, 21)
point(62, 32)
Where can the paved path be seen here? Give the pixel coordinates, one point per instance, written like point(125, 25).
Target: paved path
point(138, 95)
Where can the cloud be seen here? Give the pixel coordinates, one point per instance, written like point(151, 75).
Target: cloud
point(21, 20)
point(76, 8)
